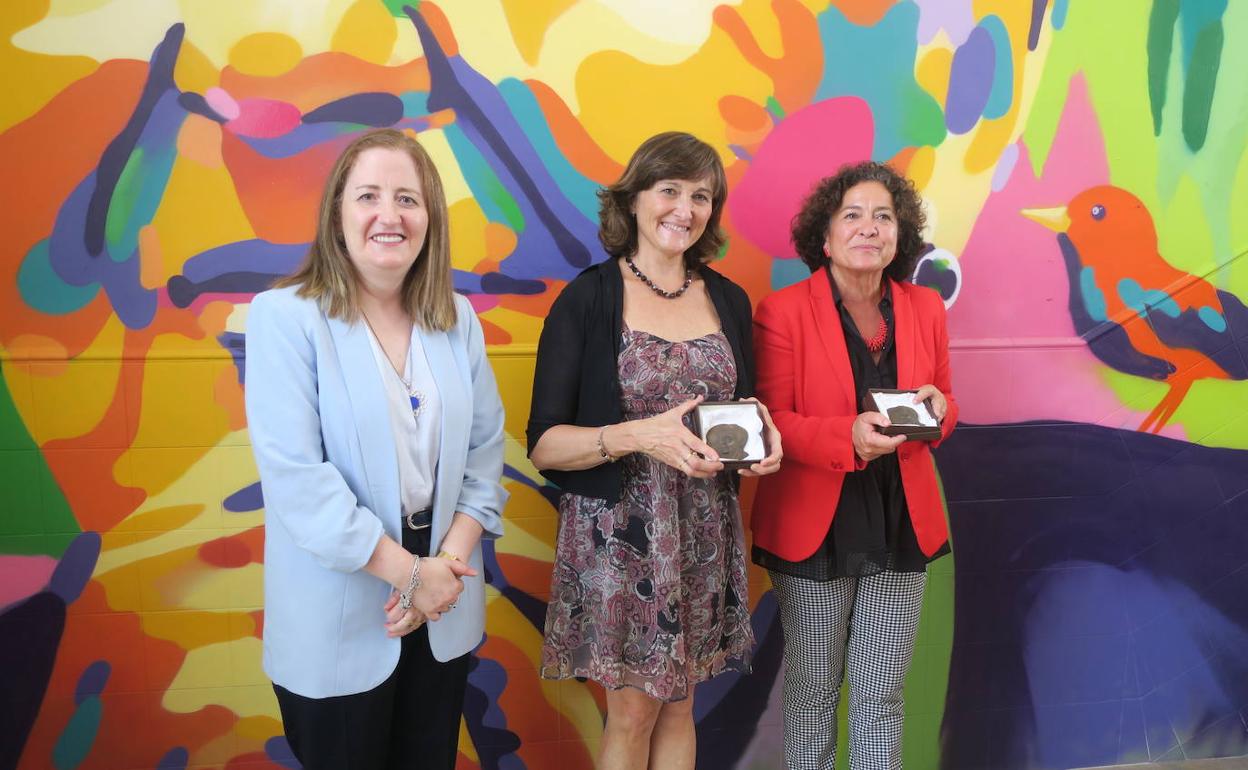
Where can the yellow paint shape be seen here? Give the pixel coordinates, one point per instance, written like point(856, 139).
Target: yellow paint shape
point(189, 630)
point(761, 20)
point(467, 226)
point(31, 80)
point(72, 397)
point(954, 198)
point(454, 186)
point(991, 138)
point(261, 728)
point(920, 169)
point(199, 140)
point(367, 31)
point(529, 20)
point(624, 101)
point(932, 73)
point(265, 54)
point(193, 190)
point(194, 71)
point(121, 29)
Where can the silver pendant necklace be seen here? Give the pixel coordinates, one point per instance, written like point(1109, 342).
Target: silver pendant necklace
point(415, 398)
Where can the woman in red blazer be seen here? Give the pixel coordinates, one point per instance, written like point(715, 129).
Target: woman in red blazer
point(846, 529)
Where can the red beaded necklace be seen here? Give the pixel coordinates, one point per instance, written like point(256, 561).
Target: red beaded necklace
point(876, 343)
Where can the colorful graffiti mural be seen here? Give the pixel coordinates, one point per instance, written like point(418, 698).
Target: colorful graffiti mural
point(1086, 173)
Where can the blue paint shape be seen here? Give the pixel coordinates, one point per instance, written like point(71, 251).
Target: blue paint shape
point(1058, 18)
point(76, 740)
point(278, 750)
point(42, 289)
point(786, 272)
point(301, 138)
point(74, 569)
point(1093, 298)
point(249, 498)
point(1001, 97)
point(905, 114)
point(1194, 17)
point(1212, 318)
point(491, 196)
point(91, 682)
point(970, 81)
point(374, 109)
point(1142, 300)
point(415, 102)
point(174, 759)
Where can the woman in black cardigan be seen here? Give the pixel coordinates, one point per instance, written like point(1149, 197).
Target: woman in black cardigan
point(649, 590)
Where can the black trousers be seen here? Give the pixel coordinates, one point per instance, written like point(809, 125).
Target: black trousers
point(411, 720)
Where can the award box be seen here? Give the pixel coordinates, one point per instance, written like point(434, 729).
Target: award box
point(914, 421)
point(734, 429)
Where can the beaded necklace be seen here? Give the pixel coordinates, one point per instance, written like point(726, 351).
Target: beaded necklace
point(661, 292)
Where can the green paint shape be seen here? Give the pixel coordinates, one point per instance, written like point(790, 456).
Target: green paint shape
point(122, 204)
point(34, 505)
point(1202, 78)
point(1160, 45)
point(42, 289)
point(395, 7)
point(774, 108)
point(78, 738)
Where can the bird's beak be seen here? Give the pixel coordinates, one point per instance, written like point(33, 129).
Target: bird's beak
point(1055, 219)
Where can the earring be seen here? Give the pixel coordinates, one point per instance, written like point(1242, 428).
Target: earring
point(826, 251)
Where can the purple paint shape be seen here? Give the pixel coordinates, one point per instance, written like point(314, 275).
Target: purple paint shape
point(253, 255)
point(278, 750)
point(497, 283)
point(970, 81)
point(174, 759)
point(557, 240)
point(92, 681)
point(249, 498)
point(1037, 21)
point(1005, 167)
point(75, 568)
point(368, 109)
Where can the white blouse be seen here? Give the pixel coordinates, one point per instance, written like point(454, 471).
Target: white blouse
point(417, 438)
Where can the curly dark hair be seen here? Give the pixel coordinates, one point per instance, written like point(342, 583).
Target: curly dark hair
point(810, 226)
point(670, 155)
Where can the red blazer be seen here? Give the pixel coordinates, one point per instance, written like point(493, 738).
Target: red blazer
point(804, 378)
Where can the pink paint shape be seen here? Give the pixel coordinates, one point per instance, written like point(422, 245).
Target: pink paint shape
point(23, 576)
point(265, 118)
point(1015, 353)
point(222, 103)
point(805, 147)
point(483, 302)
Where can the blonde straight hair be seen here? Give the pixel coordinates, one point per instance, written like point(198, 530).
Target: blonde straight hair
point(327, 274)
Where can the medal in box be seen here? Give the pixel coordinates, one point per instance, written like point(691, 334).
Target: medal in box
point(734, 429)
point(914, 421)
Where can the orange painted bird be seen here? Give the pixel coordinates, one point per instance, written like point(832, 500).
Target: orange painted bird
point(1137, 312)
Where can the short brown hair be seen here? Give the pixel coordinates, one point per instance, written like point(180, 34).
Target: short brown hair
point(670, 155)
point(810, 226)
point(327, 273)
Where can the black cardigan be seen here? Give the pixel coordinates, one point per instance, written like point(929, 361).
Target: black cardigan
point(577, 382)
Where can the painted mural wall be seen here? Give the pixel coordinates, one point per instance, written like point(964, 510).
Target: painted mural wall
point(1085, 169)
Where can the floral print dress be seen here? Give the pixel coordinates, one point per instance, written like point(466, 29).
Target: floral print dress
point(651, 592)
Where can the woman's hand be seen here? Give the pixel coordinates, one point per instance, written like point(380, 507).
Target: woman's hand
point(665, 438)
point(870, 443)
point(770, 463)
point(939, 404)
point(401, 622)
point(440, 586)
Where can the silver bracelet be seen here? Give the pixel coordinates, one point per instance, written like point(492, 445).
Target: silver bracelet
point(602, 450)
point(405, 597)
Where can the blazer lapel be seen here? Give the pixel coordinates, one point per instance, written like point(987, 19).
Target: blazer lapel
point(828, 325)
point(370, 415)
point(905, 336)
point(454, 393)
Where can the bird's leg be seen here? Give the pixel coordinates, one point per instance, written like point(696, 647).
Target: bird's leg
point(1169, 404)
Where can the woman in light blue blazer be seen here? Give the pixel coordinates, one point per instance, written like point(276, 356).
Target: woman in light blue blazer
point(378, 432)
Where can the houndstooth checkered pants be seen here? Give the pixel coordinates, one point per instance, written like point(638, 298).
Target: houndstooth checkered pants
point(867, 625)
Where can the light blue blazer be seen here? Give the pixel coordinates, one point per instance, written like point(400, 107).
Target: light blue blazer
point(316, 411)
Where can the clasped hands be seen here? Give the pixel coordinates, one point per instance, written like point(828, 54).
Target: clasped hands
point(869, 443)
point(441, 582)
point(665, 438)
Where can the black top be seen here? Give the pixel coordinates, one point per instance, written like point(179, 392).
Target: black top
point(576, 381)
point(871, 530)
